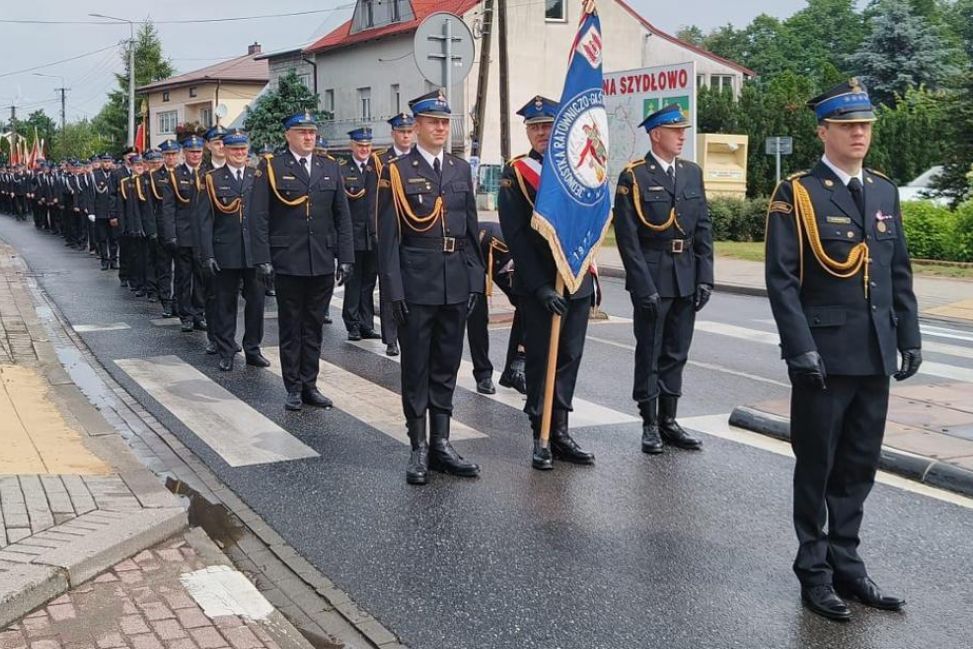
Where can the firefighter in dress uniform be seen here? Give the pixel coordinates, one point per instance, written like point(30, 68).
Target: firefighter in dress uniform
point(839, 281)
point(664, 236)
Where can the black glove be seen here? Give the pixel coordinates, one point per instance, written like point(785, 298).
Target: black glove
point(703, 293)
point(911, 360)
point(344, 271)
point(210, 267)
point(553, 302)
point(172, 245)
point(649, 303)
point(807, 369)
point(471, 304)
point(265, 272)
point(400, 311)
point(153, 237)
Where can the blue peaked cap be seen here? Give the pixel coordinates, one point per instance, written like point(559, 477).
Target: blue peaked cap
point(301, 119)
point(670, 116)
point(431, 104)
point(402, 121)
point(846, 102)
point(363, 134)
point(539, 110)
point(236, 137)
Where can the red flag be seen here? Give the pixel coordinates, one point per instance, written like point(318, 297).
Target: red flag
point(140, 138)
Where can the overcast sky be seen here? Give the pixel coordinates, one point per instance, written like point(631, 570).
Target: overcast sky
point(192, 46)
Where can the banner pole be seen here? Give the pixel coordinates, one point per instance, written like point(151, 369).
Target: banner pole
point(551, 370)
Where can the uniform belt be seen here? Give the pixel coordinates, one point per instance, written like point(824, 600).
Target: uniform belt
point(675, 246)
point(446, 244)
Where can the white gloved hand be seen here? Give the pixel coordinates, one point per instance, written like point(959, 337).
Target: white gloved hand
point(91, 217)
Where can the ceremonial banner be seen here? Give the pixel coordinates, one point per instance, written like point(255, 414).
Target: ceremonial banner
point(574, 203)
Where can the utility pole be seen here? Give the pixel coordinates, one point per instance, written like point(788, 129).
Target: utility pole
point(482, 86)
point(13, 130)
point(63, 90)
point(504, 82)
point(131, 73)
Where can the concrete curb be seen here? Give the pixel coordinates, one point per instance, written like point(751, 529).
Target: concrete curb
point(25, 587)
point(932, 472)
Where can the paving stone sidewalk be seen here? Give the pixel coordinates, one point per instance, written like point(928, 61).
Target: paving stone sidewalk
point(180, 594)
point(74, 499)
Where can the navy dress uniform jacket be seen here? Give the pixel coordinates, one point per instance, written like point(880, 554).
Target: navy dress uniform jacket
point(183, 186)
point(356, 189)
point(414, 267)
point(854, 334)
point(102, 194)
point(226, 237)
point(651, 259)
point(304, 239)
point(163, 204)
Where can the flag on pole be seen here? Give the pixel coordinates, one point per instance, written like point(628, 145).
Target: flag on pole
point(573, 205)
point(140, 138)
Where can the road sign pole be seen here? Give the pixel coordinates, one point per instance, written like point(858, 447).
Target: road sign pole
point(448, 75)
point(778, 161)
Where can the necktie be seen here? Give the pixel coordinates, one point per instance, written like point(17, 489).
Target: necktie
point(857, 193)
point(437, 167)
point(671, 172)
point(239, 176)
point(303, 162)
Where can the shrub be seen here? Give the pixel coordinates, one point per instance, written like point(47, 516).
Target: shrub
point(929, 229)
point(961, 241)
point(738, 219)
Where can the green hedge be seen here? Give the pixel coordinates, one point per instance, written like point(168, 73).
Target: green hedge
point(738, 219)
point(937, 232)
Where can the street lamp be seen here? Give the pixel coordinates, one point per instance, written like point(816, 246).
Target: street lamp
point(131, 74)
point(62, 90)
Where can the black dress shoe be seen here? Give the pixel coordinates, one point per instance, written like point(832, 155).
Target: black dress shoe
point(370, 335)
point(257, 360)
point(512, 378)
point(541, 458)
point(313, 397)
point(671, 431)
point(226, 364)
point(825, 602)
point(327, 319)
point(867, 592)
point(442, 456)
point(563, 447)
point(293, 401)
point(354, 335)
point(199, 325)
point(651, 441)
point(210, 347)
point(392, 349)
point(187, 326)
point(237, 348)
point(485, 386)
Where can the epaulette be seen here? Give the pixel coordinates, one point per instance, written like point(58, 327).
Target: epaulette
point(342, 162)
point(880, 175)
point(799, 174)
point(634, 163)
point(518, 157)
point(267, 156)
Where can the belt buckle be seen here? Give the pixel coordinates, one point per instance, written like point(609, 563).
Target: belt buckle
point(449, 244)
point(677, 246)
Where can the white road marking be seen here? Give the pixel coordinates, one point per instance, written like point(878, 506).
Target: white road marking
point(946, 332)
point(718, 426)
point(87, 328)
point(241, 435)
point(221, 590)
point(929, 368)
point(165, 322)
point(586, 413)
point(366, 401)
point(706, 366)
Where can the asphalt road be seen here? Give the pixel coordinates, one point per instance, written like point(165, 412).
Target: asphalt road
point(681, 550)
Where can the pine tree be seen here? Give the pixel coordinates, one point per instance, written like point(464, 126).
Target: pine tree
point(265, 119)
point(956, 181)
point(902, 51)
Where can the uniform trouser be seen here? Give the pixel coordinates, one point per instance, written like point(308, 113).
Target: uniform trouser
point(478, 336)
point(662, 347)
point(537, 330)
point(204, 289)
point(105, 237)
point(92, 239)
point(358, 310)
point(227, 288)
point(188, 285)
point(432, 348)
point(141, 265)
point(301, 303)
point(390, 330)
point(163, 270)
point(836, 435)
point(124, 256)
point(20, 206)
point(39, 213)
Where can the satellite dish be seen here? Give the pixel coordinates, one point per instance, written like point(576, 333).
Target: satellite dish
point(221, 111)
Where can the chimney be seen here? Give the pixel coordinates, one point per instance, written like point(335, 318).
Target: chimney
point(253, 49)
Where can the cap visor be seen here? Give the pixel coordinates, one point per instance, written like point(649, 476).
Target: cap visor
point(859, 116)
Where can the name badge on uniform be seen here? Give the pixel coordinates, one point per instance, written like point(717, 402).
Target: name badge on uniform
point(289, 177)
point(839, 219)
point(416, 181)
point(657, 188)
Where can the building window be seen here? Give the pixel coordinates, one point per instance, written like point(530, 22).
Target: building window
point(165, 95)
point(721, 82)
point(206, 116)
point(396, 11)
point(555, 10)
point(396, 99)
point(167, 122)
point(329, 100)
point(369, 13)
point(305, 79)
point(700, 81)
point(365, 102)
point(192, 91)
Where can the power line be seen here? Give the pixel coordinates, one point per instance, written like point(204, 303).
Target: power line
point(187, 21)
point(47, 65)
